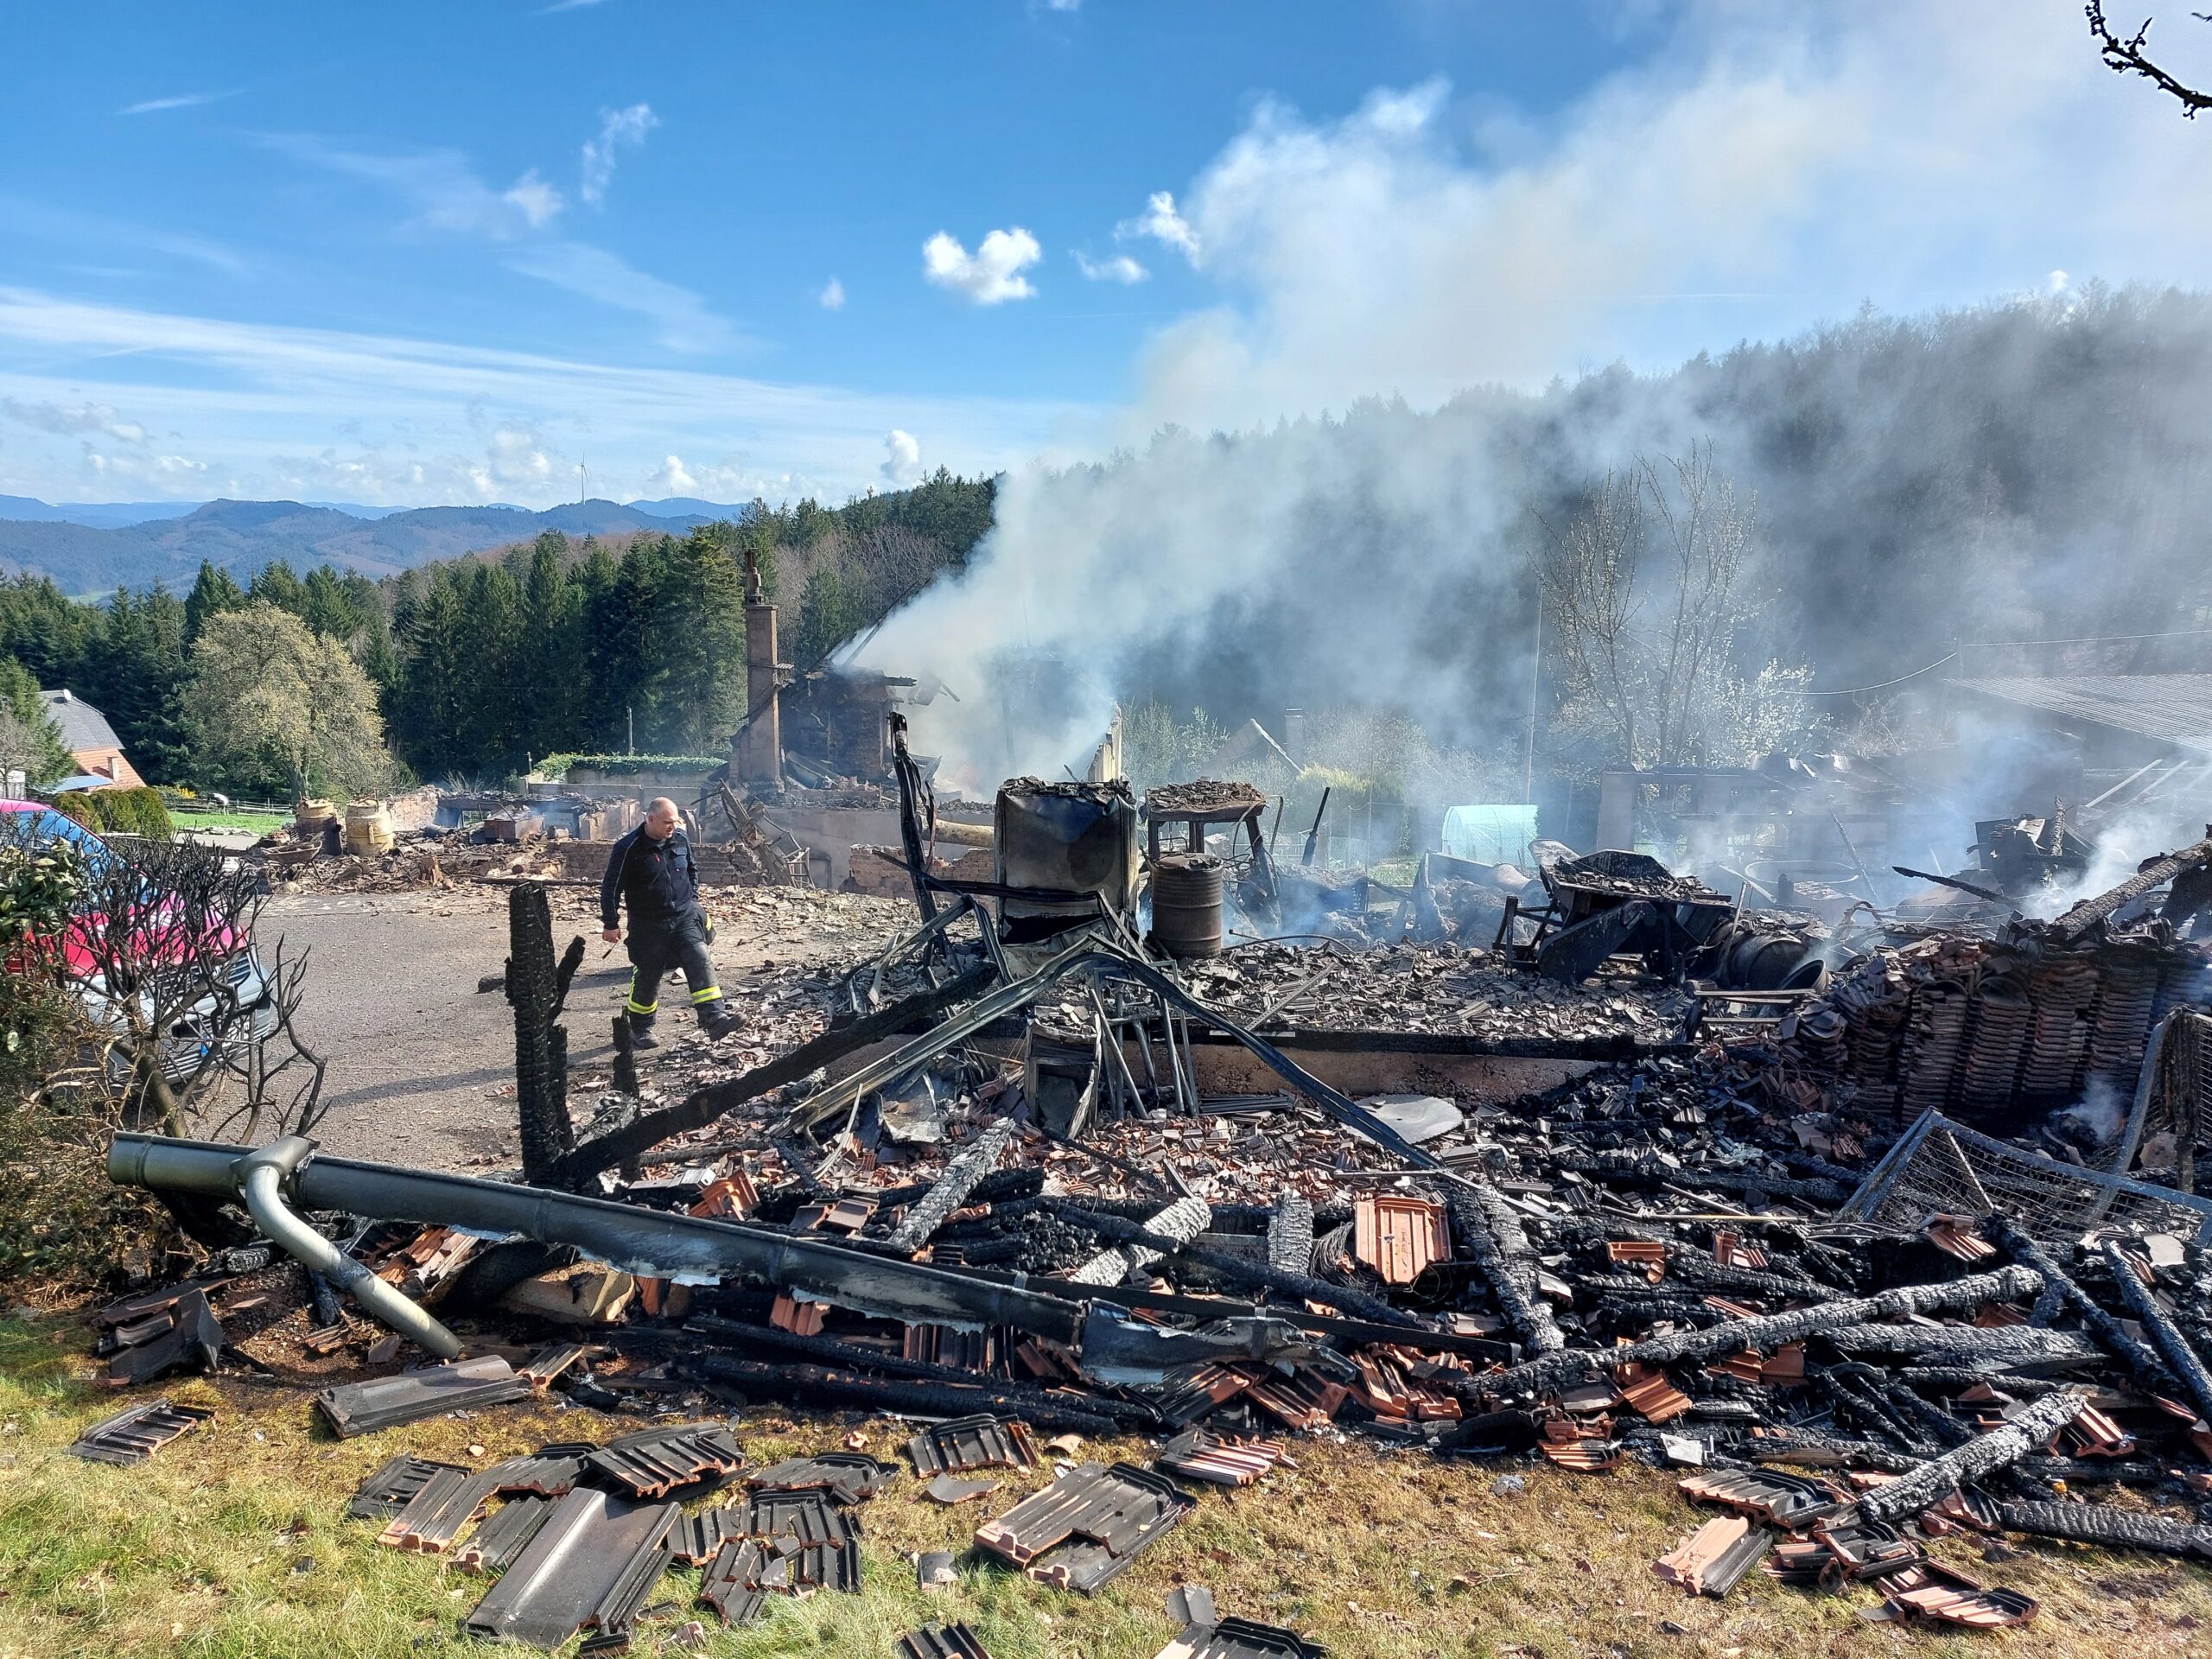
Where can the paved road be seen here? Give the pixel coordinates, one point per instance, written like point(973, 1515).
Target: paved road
point(416, 1055)
point(421, 1064)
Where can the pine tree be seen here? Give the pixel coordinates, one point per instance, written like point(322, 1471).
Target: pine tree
point(278, 583)
point(29, 740)
point(214, 592)
point(133, 672)
point(427, 716)
point(701, 635)
point(552, 642)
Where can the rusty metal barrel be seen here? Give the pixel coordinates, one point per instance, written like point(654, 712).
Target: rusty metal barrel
point(1186, 905)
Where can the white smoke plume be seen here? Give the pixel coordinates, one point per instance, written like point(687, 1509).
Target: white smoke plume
point(1761, 171)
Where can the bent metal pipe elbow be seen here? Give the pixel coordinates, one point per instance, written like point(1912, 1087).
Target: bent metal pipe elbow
point(262, 1176)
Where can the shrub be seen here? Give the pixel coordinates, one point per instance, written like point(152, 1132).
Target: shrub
point(120, 811)
point(556, 767)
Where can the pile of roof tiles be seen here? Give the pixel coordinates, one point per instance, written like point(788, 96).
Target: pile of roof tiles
point(1652, 1262)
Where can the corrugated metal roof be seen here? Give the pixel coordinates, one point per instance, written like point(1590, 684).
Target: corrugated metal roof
point(2174, 708)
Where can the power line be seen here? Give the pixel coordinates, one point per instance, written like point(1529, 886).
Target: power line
point(1885, 685)
point(2096, 639)
point(2085, 639)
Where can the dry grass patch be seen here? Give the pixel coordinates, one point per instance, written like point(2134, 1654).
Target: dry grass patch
point(232, 1544)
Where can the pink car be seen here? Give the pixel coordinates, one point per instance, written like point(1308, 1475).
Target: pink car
point(240, 1014)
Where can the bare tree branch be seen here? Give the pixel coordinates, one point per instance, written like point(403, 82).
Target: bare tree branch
point(2127, 57)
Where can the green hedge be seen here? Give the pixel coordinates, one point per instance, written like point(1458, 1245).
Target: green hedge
point(122, 811)
point(555, 768)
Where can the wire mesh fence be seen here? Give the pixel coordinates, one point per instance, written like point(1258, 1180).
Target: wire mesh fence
point(1942, 1168)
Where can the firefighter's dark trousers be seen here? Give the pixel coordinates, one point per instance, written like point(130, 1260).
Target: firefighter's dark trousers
point(680, 941)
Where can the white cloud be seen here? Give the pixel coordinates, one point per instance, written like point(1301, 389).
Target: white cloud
point(684, 322)
point(669, 479)
point(440, 186)
point(1119, 269)
point(72, 418)
point(166, 471)
point(990, 276)
point(902, 460)
point(616, 129)
point(539, 202)
point(1162, 223)
point(513, 459)
point(277, 412)
point(832, 296)
point(566, 5)
point(181, 101)
point(2059, 282)
point(1754, 173)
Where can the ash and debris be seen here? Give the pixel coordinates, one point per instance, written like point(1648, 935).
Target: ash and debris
point(1437, 988)
point(1724, 1253)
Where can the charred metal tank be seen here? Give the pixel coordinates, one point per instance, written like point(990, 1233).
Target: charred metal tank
point(1186, 889)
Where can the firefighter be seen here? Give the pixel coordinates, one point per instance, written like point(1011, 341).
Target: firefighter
point(651, 868)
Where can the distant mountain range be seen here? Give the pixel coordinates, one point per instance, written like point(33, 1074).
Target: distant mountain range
point(92, 548)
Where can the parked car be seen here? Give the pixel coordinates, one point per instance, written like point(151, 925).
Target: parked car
point(221, 1025)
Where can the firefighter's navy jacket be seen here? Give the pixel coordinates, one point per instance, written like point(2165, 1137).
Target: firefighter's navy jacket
point(656, 877)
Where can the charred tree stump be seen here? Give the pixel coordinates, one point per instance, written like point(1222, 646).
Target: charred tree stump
point(1985, 1454)
point(541, 1045)
point(1765, 1334)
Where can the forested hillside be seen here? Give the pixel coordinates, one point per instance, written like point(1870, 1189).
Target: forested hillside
point(483, 663)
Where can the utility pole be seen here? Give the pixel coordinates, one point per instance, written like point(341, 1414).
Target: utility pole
point(1535, 670)
point(632, 711)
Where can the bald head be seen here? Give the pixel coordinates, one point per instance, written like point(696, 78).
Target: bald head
point(660, 819)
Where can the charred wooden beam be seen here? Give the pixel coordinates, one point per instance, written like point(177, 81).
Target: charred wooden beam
point(845, 1356)
point(2001, 1232)
point(1485, 1227)
point(961, 1177)
point(534, 988)
point(1770, 1332)
point(2086, 915)
point(2101, 1523)
point(1985, 1454)
point(815, 1385)
point(2181, 1360)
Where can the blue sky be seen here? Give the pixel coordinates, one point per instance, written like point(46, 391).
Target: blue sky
point(425, 253)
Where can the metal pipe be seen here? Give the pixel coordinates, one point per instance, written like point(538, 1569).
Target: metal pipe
point(652, 1243)
point(262, 1176)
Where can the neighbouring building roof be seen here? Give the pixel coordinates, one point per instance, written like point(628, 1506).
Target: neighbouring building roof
point(83, 726)
point(2174, 709)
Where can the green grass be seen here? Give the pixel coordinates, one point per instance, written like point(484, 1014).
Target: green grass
point(231, 1543)
point(260, 823)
